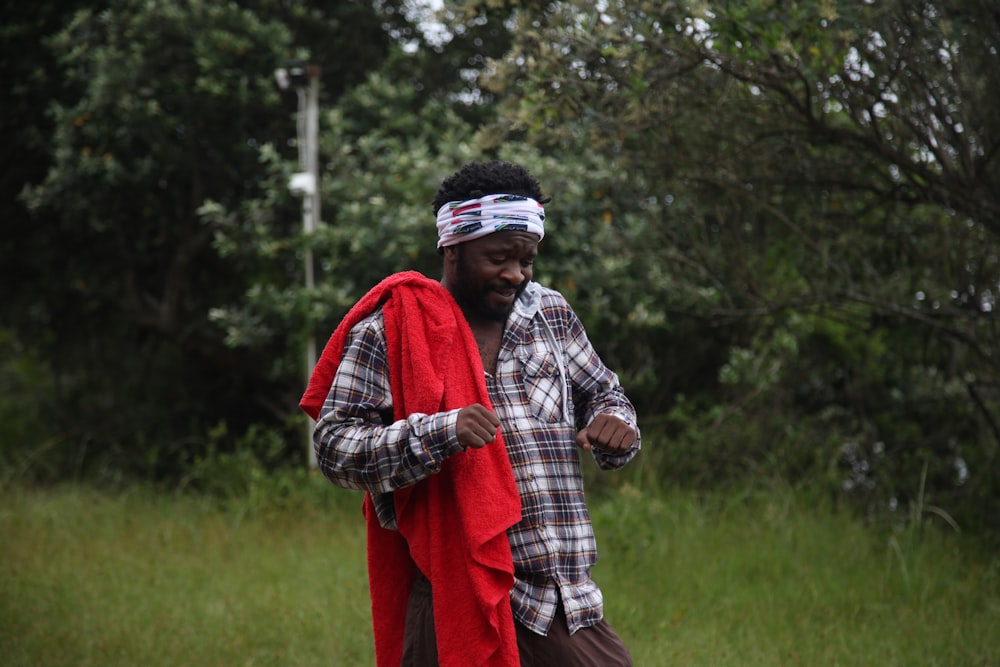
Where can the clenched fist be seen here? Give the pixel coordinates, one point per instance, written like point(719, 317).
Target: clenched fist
point(607, 434)
point(477, 426)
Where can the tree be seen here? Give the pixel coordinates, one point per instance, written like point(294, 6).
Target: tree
point(814, 187)
point(163, 107)
point(385, 146)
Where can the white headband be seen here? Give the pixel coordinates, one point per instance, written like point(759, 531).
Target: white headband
point(461, 221)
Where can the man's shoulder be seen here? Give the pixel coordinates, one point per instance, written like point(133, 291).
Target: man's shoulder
point(371, 324)
point(546, 297)
point(541, 290)
point(539, 301)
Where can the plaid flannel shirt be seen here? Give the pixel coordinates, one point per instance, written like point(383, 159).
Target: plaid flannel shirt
point(549, 383)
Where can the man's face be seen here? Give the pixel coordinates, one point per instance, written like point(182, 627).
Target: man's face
point(492, 271)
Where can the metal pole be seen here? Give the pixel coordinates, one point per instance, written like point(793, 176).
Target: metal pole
point(309, 162)
point(305, 79)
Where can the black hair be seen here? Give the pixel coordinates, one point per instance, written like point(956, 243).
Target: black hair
point(494, 177)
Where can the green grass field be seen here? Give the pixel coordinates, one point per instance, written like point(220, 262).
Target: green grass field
point(150, 579)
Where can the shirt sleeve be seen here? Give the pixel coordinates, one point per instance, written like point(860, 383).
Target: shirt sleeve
point(357, 443)
point(597, 390)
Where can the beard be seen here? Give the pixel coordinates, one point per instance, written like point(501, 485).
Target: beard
point(473, 295)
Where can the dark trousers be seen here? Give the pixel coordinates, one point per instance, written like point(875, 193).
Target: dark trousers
point(596, 646)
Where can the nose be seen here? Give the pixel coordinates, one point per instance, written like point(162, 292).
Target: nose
point(514, 272)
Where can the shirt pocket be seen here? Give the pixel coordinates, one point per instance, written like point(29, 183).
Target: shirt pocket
point(543, 385)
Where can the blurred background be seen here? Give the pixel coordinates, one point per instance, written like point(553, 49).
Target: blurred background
point(780, 223)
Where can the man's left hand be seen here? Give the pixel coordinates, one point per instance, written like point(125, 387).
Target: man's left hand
point(607, 434)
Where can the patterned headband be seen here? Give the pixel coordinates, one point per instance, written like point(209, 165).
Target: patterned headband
point(461, 221)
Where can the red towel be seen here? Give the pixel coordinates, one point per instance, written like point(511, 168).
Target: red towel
point(451, 525)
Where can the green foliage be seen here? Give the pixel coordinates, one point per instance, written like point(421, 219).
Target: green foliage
point(811, 217)
point(26, 388)
point(385, 146)
point(158, 126)
point(162, 116)
point(250, 473)
point(777, 220)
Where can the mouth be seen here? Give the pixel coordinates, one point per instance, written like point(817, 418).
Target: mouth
point(506, 294)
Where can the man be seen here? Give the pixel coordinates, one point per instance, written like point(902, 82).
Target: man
point(461, 408)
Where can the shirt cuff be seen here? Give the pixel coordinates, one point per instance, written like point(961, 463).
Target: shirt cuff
point(442, 434)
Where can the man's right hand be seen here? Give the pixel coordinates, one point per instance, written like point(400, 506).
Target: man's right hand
point(477, 426)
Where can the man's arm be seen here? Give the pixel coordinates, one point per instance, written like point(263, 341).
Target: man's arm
point(357, 443)
point(607, 419)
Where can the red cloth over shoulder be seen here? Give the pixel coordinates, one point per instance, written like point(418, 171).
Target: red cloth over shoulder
point(452, 525)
